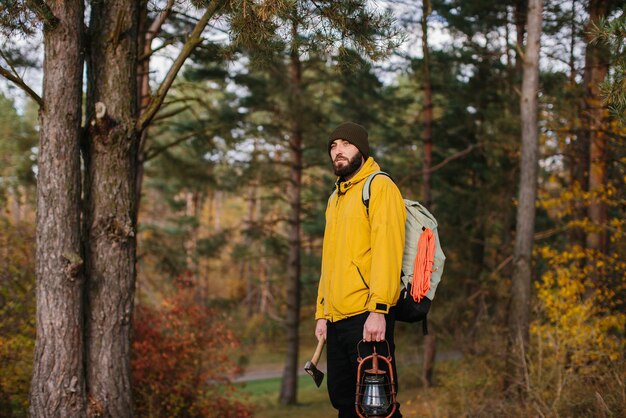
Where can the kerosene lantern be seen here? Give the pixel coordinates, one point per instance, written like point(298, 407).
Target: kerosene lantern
point(375, 387)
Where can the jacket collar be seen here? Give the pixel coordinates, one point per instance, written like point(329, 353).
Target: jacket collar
point(370, 166)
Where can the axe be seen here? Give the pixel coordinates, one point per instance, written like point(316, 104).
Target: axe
point(311, 366)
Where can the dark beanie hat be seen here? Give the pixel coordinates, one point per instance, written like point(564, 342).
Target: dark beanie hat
point(353, 133)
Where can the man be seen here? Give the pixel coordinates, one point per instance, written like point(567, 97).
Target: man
point(361, 263)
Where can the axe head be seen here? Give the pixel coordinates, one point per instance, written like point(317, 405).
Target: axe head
point(317, 375)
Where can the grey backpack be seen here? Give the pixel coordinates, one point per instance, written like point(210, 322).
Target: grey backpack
point(418, 219)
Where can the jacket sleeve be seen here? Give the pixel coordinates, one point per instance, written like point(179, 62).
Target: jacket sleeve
point(387, 219)
point(319, 306)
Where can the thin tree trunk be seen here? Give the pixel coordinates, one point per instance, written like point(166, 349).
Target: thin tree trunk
point(13, 203)
point(218, 205)
point(572, 44)
point(147, 31)
point(58, 382)
point(430, 347)
point(427, 117)
point(246, 270)
point(289, 385)
point(111, 198)
point(474, 285)
point(430, 352)
point(596, 69)
point(521, 10)
point(507, 37)
point(144, 42)
point(265, 291)
point(519, 314)
point(578, 147)
point(191, 241)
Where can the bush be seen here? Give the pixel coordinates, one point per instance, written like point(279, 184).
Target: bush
point(181, 360)
point(577, 357)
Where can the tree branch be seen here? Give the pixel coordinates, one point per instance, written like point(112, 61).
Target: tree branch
point(173, 112)
point(155, 28)
point(153, 152)
point(150, 52)
point(194, 40)
point(17, 80)
point(43, 12)
point(454, 157)
point(442, 163)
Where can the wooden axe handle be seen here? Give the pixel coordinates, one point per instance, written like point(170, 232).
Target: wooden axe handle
point(318, 351)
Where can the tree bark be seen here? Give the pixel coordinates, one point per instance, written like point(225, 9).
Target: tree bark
point(58, 383)
point(519, 313)
point(289, 385)
point(110, 225)
point(596, 69)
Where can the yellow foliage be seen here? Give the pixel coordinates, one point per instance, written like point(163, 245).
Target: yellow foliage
point(579, 330)
point(562, 203)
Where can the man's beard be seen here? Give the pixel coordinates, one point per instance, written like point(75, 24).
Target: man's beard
point(353, 165)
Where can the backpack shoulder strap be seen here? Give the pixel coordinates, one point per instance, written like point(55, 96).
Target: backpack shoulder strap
point(367, 189)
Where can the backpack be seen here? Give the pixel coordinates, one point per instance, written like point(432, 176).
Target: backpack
point(422, 259)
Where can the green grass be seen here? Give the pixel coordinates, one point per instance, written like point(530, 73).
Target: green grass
point(263, 394)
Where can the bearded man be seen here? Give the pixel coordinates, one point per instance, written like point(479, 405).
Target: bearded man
point(361, 264)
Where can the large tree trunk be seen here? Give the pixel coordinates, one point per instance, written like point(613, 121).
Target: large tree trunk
point(519, 314)
point(58, 384)
point(110, 205)
point(289, 385)
point(596, 69)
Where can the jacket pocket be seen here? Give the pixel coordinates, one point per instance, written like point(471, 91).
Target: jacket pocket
point(358, 270)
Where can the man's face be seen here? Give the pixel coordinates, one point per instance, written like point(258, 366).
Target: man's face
point(346, 158)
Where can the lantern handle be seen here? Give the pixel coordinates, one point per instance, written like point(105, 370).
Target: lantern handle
point(358, 351)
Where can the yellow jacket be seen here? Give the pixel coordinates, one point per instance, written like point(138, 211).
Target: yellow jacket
point(362, 255)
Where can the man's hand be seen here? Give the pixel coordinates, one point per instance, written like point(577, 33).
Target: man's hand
point(320, 329)
point(374, 328)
